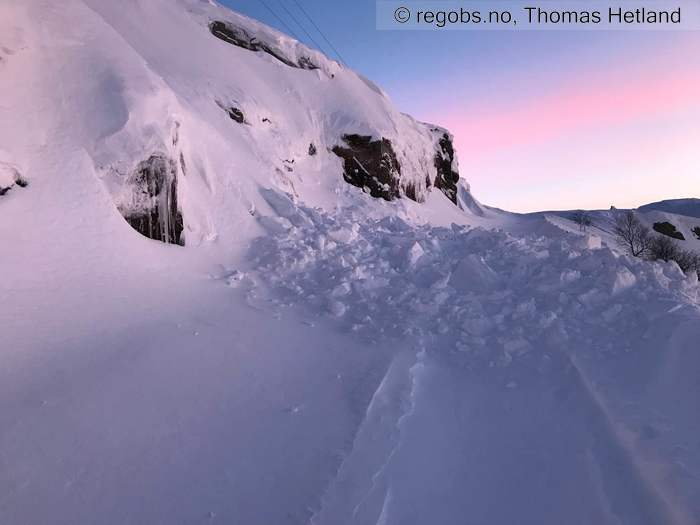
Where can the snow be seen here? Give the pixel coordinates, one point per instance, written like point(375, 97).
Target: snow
point(686, 207)
point(601, 230)
point(312, 355)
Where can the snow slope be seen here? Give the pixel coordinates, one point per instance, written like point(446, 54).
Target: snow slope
point(687, 207)
point(312, 355)
point(603, 223)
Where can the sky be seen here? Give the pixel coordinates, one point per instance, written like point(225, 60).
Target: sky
point(542, 120)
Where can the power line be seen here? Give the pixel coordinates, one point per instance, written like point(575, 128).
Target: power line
point(301, 8)
point(284, 24)
point(294, 18)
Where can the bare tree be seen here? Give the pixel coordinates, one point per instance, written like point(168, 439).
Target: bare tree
point(632, 234)
point(583, 219)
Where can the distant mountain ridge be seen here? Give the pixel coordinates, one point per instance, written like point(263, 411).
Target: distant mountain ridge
point(688, 207)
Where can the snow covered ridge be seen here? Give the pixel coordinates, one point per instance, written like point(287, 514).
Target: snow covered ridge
point(687, 207)
point(227, 105)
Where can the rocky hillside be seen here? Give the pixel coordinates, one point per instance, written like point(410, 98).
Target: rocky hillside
point(182, 111)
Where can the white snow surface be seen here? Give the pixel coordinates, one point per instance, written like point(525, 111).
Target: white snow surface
point(687, 207)
point(603, 223)
point(312, 356)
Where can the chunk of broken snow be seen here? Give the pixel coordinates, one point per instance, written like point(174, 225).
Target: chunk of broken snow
point(672, 270)
point(415, 253)
point(624, 279)
point(547, 319)
point(337, 308)
point(344, 235)
point(341, 290)
point(526, 308)
point(473, 274)
point(478, 326)
point(611, 313)
point(569, 276)
point(275, 224)
point(516, 346)
point(280, 202)
point(593, 242)
point(592, 297)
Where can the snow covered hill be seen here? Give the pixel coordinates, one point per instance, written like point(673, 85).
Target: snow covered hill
point(687, 207)
point(685, 227)
point(346, 337)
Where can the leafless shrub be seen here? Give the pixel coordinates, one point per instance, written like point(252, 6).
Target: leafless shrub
point(583, 219)
point(664, 248)
point(632, 234)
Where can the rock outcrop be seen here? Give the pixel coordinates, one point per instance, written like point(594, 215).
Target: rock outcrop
point(238, 36)
point(152, 208)
point(371, 165)
point(10, 177)
point(234, 113)
point(668, 229)
point(447, 175)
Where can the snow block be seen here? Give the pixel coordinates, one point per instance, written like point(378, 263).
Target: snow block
point(473, 274)
point(593, 242)
point(624, 279)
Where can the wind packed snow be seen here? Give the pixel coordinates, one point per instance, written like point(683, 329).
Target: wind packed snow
point(312, 355)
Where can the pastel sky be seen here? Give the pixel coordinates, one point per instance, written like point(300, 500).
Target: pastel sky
point(542, 120)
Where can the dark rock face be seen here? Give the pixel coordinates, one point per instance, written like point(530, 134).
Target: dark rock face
point(447, 176)
point(312, 149)
point(154, 210)
point(236, 114)
point(696, 231)
point(19, 182)
point(371, 165)
point(306, 63)
point(668, 229)
point(239, 37)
